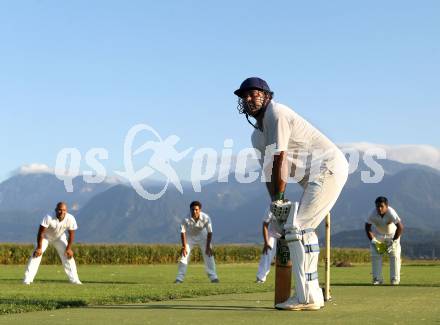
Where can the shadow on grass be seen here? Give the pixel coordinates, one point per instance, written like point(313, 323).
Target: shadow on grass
point(110, 282)
point(185, 307)
point(36, 281)
point(422, 285)
point(66, 281)
point(200, 299)
point(40, 304)
point(351, 285)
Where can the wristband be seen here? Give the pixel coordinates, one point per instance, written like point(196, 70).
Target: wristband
point(279, 196)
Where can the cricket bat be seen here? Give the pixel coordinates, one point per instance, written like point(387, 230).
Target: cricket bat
point(283, 272)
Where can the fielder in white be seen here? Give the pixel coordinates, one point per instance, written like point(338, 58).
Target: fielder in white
point(53, 230)
point(270, 236)
point(196, 230)
point(272, 231)
point(293, 147)
point(388, 229)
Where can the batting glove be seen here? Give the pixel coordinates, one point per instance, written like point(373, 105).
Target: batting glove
point(380, 247)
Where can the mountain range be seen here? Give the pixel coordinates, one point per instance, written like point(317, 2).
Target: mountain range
point(110, 212)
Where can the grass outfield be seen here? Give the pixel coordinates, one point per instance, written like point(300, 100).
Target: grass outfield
point(113, 284)
point(107, 288)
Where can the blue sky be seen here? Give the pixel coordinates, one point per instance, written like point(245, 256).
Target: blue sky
point(81, 73)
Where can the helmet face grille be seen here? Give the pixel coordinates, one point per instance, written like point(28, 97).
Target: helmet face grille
point(240, 106)
point(243, 108)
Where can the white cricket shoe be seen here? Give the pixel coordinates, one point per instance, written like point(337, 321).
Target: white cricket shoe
point(27, 283)
point(395, 282)
point(293, 304)
point(76, 282)
point(377, 282)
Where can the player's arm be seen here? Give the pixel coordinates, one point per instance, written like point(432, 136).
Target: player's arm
point(39, 250)
point(371, 237)
point(277, 185)
point(270, 190)
point(370, 234)
point(399, 231)
point(399, 225)
point(70, 239)
point(278, 132)
point(266, 246)
point(183, 240)
point(208, 249)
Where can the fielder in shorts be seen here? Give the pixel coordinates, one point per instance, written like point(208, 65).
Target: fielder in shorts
point(53, 231)
point(196, 230)
point(384, 239)
point(295, 150)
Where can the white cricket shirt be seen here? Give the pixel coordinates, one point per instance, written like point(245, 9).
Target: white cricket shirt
point(309, 152)
point(385, 225)
point(55, 228)
point(196, 229)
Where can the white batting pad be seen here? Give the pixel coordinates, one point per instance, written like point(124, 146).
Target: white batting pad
point(311, 248)
point(304, 254)
point(297, 255)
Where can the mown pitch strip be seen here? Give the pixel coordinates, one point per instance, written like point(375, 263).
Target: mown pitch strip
point(142, 294)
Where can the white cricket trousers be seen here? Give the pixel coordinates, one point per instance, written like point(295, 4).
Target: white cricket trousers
point(318, 198)
point(395, 263)
point(184, 260)
point(266, 260)
point(68, 264)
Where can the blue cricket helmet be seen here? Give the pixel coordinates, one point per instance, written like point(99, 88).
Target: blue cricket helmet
point(253, 83)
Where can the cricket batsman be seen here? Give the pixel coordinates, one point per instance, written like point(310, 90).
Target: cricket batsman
point(385, 239)
point(196, 230)
point(53, 230)
point(293, 147)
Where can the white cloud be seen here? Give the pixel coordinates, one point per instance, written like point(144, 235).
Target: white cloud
point(37, 168)
point(408, 154)
point(34, 168)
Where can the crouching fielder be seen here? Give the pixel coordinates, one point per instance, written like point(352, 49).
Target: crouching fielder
point(292, 146)
point(52, 230)
point(270, 236)
point(384, 239)
point(272, 231)
point(196, 230)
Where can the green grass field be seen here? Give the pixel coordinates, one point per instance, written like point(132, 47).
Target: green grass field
point(145, 294)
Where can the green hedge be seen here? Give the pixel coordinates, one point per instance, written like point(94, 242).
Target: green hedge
point(157, 254)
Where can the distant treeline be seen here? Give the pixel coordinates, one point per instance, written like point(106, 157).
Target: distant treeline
point(422, 250)
point(158, 254)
